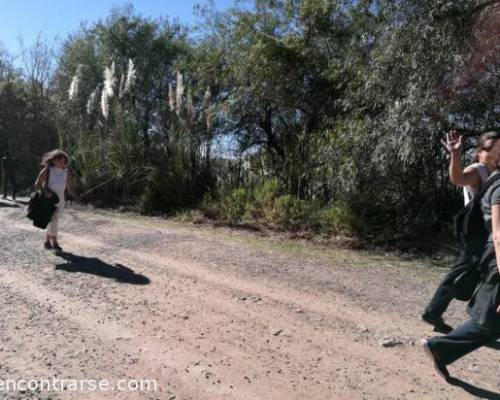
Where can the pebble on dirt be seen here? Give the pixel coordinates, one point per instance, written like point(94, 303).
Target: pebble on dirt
point(390, 342)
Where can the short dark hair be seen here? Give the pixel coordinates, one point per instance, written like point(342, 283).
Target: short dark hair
point(492, 135)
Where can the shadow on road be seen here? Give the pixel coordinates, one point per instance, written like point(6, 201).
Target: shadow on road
point(474, 390)
point(95, 266)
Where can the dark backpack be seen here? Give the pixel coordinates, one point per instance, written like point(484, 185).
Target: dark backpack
point(470, 228)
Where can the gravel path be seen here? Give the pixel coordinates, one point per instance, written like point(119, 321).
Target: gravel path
point(208, 317)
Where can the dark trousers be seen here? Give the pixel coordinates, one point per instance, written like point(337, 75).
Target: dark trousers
point(461, 341)
point(443, 295)
point(12, 181)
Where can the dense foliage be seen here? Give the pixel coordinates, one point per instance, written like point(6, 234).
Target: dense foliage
point(301, 114)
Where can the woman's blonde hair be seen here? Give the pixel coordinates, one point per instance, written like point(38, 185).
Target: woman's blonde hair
point(48, 158)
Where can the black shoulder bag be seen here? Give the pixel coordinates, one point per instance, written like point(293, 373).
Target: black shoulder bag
point(42, 205)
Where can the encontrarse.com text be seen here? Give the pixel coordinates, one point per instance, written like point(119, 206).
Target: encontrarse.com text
point(78, 385)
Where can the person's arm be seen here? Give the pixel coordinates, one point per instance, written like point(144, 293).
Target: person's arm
point(70, 183)
point(459, 176)
point(42, 177)
point(468, 177)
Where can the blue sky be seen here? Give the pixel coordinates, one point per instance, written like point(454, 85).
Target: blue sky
point(57, 18)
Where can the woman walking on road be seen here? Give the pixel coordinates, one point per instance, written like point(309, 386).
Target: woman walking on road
point(484, 307)
point(471, 179)
point(57, 178)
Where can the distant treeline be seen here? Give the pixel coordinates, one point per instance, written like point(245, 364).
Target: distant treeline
point(316, 115)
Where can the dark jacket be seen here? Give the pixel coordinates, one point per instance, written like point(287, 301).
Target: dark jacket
point(483, 305)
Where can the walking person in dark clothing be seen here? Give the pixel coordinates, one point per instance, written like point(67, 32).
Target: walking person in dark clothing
point(484, 307)
point(9, 175)
point(471, 179)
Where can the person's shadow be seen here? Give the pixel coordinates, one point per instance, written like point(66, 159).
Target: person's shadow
point(494, 345)
point(4, 204)
point(95, 266)
point(474, 390)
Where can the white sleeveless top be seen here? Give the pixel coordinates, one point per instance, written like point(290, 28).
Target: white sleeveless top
point(58, 179)
point(483, 173)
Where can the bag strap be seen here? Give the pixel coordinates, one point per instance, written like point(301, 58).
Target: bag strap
point(486, 186)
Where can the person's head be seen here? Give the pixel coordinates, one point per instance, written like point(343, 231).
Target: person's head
point(55, 158)
point(488, 150)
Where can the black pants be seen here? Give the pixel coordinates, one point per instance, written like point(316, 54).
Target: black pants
point(12, 181)
point(443, 295)
point(461, 341)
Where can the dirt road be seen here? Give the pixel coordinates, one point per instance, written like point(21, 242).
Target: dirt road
point(215, 314)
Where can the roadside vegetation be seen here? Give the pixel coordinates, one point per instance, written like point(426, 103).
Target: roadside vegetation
point(300, 116)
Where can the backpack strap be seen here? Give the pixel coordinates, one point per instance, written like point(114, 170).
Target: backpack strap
point(486, 186)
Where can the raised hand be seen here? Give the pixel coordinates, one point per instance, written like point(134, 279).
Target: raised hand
point(454, 142)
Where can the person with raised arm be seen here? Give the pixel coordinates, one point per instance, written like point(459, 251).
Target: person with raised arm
point(471, 179)
point(483, 326)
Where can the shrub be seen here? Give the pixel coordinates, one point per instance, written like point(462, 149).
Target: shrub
point(163, 192)
point(338, 219)
point(211, 208)
point(265, 197)
point(193, 216)
point(234, 205)
point(268, 191)
point(289, 212)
